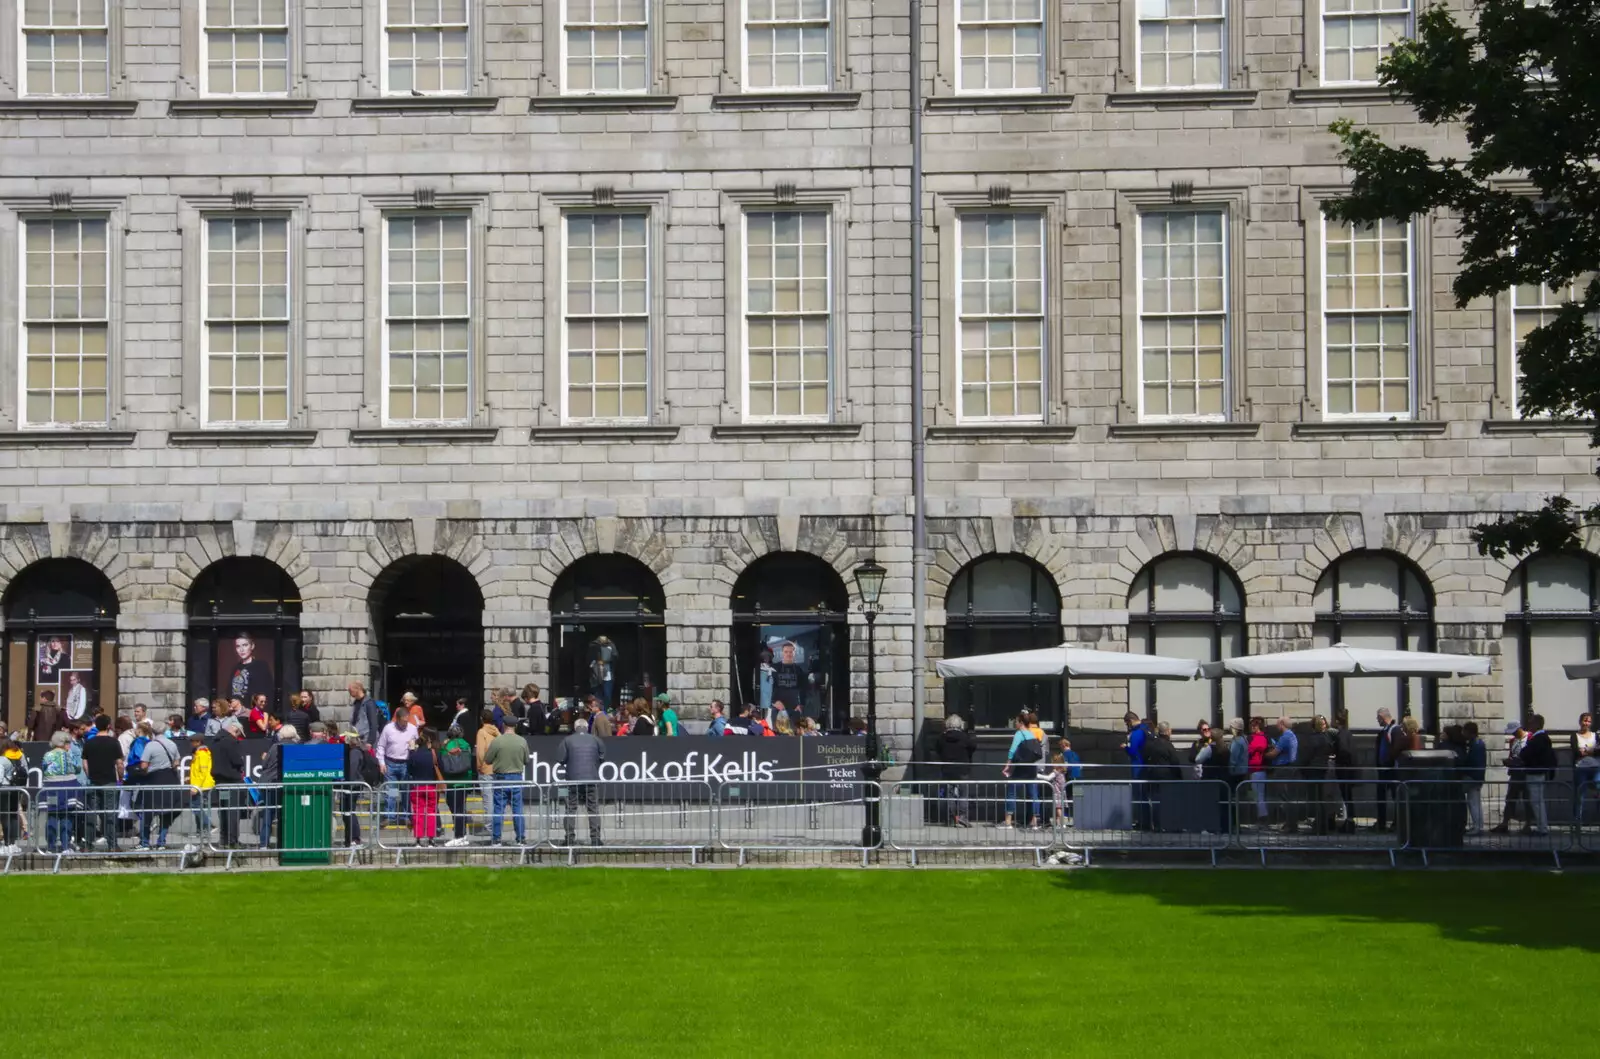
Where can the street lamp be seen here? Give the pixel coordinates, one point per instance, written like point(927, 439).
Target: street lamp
point(869, 584)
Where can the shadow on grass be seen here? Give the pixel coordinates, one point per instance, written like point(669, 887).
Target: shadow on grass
point(1536, 910)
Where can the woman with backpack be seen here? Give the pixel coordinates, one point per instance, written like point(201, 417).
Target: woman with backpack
point(422, 770)
point(159, 798)
point(456, 767)
point(1022, 768)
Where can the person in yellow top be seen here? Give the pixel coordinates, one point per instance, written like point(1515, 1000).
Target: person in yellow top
point(201, 783)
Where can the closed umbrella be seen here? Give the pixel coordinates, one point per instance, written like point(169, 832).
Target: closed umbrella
point(1344, 660)
point(1071, 662)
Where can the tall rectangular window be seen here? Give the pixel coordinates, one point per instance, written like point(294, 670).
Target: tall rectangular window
point(1532, 306)
point(608, 45)
point(787, 314)
point(1183, 315)
point(65, 47)
point(786, 44)
point(1001, 45)
point(606, 316)
point(247, 47)
point(425, 47)
point(1357, 35)
point(427, 317)
point(1181, 43)
point(65, 319)
point(1001, 319)
point(1368, 330)
point(247, 320)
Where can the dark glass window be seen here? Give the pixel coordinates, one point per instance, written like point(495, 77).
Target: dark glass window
point(995, 604)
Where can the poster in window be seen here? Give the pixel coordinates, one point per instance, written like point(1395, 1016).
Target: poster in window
point(791, 669)
point(244, 669)
point(83, 653)
point(74, 695)
point(55, 655)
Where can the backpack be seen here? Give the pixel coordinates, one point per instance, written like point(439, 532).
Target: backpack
point(383, 711)
point(1029, 752)
point(457, 762)
point(369, 771)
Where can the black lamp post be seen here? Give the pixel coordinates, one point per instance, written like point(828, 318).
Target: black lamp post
point(869, 583)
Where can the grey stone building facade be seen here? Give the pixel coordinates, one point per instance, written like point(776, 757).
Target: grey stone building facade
point(506, 324)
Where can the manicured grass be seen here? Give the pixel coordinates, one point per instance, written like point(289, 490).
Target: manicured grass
point(467, 962)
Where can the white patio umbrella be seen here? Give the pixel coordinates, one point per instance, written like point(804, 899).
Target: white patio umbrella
point(1344, 660)
point(1071, 662)
point(1583, 670)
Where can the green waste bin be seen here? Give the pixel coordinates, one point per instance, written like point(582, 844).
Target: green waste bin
point(305, 831)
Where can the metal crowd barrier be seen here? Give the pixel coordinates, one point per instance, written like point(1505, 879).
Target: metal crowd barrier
point(786, 815)
point(631, 815)
point(1146, 814)
point(246, 821)
point(933, 815)
point(1436, 815)
point(16, 803)
point(1304, 814)
point(139, 820)
point(409, 816)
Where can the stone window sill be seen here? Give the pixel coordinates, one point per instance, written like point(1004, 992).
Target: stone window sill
point(1031, 101)
point(222, 436)
point(1368, 427)
point(49, 105)
point(786, 432)
point(1542, 427)
point(425, 436)
point(394, 104)
point(1196, 97)
point(1136, 431)
point(1003, 432)
point(28, 439)
point(221, 105)
point(604, 432)
point(1344, 94)
point(615, 103)
point(786, 101)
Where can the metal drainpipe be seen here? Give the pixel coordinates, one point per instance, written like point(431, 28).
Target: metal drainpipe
point(919, 549)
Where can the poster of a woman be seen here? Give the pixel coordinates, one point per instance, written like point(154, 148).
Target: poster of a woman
point(55, 654)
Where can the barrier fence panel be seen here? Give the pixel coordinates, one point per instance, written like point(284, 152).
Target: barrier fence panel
point(482, 816)
point(16, 808)
point(631, 815)
point(796, 815)
point(279, 822)
point(1586, 807)
point(926, 815)
point(1499, 816)
point(1309, 814)
point(1146, 814)
point(142, 821)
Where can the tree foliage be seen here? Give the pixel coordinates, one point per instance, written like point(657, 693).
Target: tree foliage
point(1523, 84)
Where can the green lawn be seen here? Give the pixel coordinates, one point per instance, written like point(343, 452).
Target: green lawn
point(470, 962)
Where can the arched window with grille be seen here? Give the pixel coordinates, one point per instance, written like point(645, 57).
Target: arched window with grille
point(1187, 605)
point(1003, 603)
point(1375, 599)
point(1552, 617)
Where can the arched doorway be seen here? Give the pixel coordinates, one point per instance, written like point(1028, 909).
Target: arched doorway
point(1187, 606)
point(1003, 603)
point(61, 625)
point(791, 637)
point(427, 615)
point(1552, 617)
point(244, 632)
point(608, 636)
point(1375, 599)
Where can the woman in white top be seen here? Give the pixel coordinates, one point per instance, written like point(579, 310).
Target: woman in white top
point(1585, 762)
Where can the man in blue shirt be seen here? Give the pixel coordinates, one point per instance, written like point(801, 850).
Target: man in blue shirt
point(1138, 732)
point(1283, 756)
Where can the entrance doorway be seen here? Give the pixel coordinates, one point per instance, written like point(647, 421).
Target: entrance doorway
point(607, 636)
point(791, 638)
point(61, 628)
point(427, 614)
point(244, 633)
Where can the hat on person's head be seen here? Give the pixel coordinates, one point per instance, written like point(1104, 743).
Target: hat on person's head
point(318, 726)
point(663, 698)
point(1512, 726)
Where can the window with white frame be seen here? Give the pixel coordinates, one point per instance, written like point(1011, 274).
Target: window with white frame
point(1001, 321)
point(65, 320)
point(786, 44)
point(1000, 45)
point(606, 316)
point(1368, 325)
point(427, 318)
point(1181, 43)
point(1183, 314)
point(1359, 34)
point(425, 47)
point(246, 366)
point(607, 46)
point(246, 47)
point(1532, 306)
point(787, 314)
point(65, 47)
